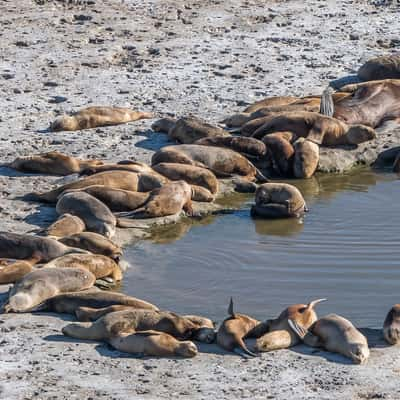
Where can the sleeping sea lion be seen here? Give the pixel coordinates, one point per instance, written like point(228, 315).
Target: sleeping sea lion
point(163, 125)
point(66, 225)
point(382, 67)
point(205, 328)
point(13, 271)
point(270, 102)
point(280, 152)
point(306, 158)
point(391, 326)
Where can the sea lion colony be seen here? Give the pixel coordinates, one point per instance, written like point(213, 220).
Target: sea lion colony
point(56, 270)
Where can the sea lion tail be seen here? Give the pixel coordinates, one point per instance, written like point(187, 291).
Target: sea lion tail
point(327, 106)
point(243, 348)
point(313, 303)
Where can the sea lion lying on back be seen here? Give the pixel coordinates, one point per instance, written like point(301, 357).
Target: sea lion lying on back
point(53, 163)
point(66, 225)
point(222, 162)
point(92, 117)
point(382, 67)
point(391, 326)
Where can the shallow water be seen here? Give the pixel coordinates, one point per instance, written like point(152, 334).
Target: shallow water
point(345, 249)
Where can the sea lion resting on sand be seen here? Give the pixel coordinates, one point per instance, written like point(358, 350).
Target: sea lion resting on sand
point(336, 334)
point(66, 225)
point(53, 163)
point(391, 326)
point(278, 200)
point(41, 284)
point(13, 271)
point(92, 117)
point(382, 67)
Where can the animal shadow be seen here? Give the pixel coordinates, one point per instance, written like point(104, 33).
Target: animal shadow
point(346, 80)
point(42, 217)
point(154, 140)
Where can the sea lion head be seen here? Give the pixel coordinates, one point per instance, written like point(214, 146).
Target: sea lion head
point(391, 326)
point(186, 349)
point(107, 230)
point(64, 123)
point(359, 353)
point(19, 302)
point(205, 335)
point(237, 120)
point(360, 133)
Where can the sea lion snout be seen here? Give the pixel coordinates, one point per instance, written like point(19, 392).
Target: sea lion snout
point(187, 349)
point(360, 133)
point(359, 353)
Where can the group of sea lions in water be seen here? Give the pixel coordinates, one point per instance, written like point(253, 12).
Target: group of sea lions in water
point(56, 270)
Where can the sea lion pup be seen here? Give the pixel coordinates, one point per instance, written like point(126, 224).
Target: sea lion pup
point(92, 117)
point(66, 225)
point(249, 147)
point(318, 128)
point(169, 199)
point(336, 334)
point(391, 326)
point(205, 328)
point(33, 248)
point(232, 331)
point(125, 180)
point(278, 200)
point(129, 321)
point(53, 163)
point(95, 243)
point(96, 215)
point(189, 173)
point(100, 266)
point(222, 162)
point(12, 272)
point(39, 285)
point(115, 199)
point(188, 130)
point(306, 158)
point(280, 152)
point(153, 343)
point(201, 194)
point(382, 67)
point(163, 125)
point(275, 334)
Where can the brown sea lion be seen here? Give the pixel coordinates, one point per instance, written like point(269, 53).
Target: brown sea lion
point(95, 243)
point(170, 199)
point(100, 266)
point(66, 225)
point(53, 163)
point(278, 200)
point(129, 321)
point(222, 162)
point(280, 152)
point(163, 125)
point(244, 145)
point(96, 215)
point(39, 285)
point(201, 194)
point(153, 343)
point(32, 248)
point(188, 130)
point(92, 117)
point(391, 326)
point(382, 67)
point(189, 173)
point(270, 102)
point(336, 334)
point(318, 128)
point(11, 272)
point(306, 158)
point(275, 334)
point(232, 331)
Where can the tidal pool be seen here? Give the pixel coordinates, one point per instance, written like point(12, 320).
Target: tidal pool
point(345, 249)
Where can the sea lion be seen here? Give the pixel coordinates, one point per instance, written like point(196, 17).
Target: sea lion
point(96, 215)
point(280, 152)
point(95, 243)
point(100, 266)
point(278, 200)
point(275, 334)
point(189, 173)
point(92, 117)
point(41, 284)
point(232, 331)
point(125, 180)
point(115, 199)
point(170, 199)
point(163, 125)
point(53, 163)
point(201, 194)
point(153, 343)
point(318, 128)
point(382, 67)
point(30, 247)
point(391, 326)
point(249, 147)
point(222, 162)
point(66, 225)
point(129, 321)
point(336, 334)
point(306, 157)
point(205, 328)
point(270, 102)
point(188, 130)
point(11, 272)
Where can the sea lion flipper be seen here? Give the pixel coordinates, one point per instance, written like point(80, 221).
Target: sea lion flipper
point(327, 106)
point(297, 329)
point(304, 334)
point(316, 135)
point(243, 349)
point(313, 303)
point(230, 309)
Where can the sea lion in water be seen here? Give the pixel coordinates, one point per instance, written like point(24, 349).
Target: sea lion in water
point(233, 329)
point(275, 334)
point(125, 180)
point(336, 334)
point(12, 272)
point(153, 343)
point(280, 152)
point(96, 215)
point(100, 266)
point(382, 67)
point(92, 117)
point(95, 243)
point(222, 162)
point(41, 284)
point(391, 326)
point(53, 163)
point(278, 200)
point(30, 247)
point(306, 157)
point(170, 199)
point(129, 321)
point(66, 225)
